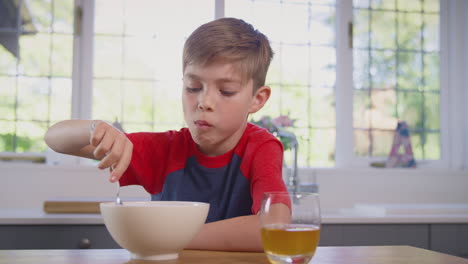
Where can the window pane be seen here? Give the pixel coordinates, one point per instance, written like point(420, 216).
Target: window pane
point(383, 4)
point(392, 83)
point(63, 22)
point(62, 55)
point(383, 32)
point(7, 98)
point(320, 30)
point(139, 59)
point(109, 17)
point(431, 72)
point(60, 99)
point(432, 111)
point(431, 6)
point(7, 133)
point(382, 69)
point(409, 30)
point(361, 109)
point(295, 55)
point(410, 70)
point(33, 98)
point(410, 109)
point(30, 136)
point(322, 108)
point(432, 146)
point(42, 11)
point(362, 140)
point(274, 75)
point(361, 28)
point(107, 100)
point(322, 147)
point(382, 112)
point(303, 71)
point(138, 103)
point(295, 102)
point(409, 6)
point(361, 3)
point(107, 56)
point(322, 66)
point(382, 142)
point(7, 61)
point(361, 69)
point(417, 143)
point(431, 32)
point(168, 106)
point(35, 53)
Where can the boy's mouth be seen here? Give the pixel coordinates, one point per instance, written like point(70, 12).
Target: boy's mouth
point(202, 124)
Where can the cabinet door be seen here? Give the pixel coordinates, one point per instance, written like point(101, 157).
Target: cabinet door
point(450, 239)
point(55, 237)
point(416, 235)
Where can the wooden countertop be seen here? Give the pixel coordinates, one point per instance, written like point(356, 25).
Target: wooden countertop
point(324, 255)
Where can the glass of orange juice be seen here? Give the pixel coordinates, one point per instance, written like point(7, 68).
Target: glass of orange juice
point(290, 226)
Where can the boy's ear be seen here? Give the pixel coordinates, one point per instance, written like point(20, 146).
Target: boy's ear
point(259, 99)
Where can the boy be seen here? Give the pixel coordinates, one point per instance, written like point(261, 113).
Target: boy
point(220, 158)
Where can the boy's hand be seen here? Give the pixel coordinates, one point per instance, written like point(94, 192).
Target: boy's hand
point(112, 147)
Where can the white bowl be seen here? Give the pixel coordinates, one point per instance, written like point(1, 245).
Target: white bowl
point(154, 230)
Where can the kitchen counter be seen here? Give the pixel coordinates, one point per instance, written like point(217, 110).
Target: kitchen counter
point(446, 233)
point(39, 217)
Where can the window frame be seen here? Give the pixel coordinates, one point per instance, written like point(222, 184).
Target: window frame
point(454, 144)
point(450, 34)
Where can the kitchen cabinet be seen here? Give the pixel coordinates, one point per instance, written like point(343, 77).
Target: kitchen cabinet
point(55, 237)
point(445, 238)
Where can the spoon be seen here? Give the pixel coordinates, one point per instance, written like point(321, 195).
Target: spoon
point(117, 199)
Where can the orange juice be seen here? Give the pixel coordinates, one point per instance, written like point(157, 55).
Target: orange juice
point(290, 240)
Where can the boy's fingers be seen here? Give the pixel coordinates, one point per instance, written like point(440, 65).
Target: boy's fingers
point(123, 163)
point(97, 133)
point(104, 147)
point(113, 155)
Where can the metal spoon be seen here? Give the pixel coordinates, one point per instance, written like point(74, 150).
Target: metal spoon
point(117, 199)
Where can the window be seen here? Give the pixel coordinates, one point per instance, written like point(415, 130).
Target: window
point(396, 76)
point(36, 47)
point(129, 70)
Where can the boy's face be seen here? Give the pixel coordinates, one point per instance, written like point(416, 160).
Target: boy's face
point(216, 105)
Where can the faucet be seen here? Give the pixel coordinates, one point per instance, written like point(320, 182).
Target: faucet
point(292, 182)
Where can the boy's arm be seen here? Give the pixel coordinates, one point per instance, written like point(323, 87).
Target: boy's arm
point(100, 141)
point(71, 137)
point(240, 233)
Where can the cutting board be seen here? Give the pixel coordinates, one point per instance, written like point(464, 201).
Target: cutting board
point(74, 206)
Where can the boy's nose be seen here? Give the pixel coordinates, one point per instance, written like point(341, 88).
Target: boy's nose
point(205, 101)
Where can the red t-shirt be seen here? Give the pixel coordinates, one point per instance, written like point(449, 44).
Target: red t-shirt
point(171, 168)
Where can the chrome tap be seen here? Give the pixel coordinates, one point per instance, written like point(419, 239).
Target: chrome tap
point(292, 182)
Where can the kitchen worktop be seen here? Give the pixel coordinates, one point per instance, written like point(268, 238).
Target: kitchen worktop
point(348, 216)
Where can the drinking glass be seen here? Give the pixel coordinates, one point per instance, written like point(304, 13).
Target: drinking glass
point(290, 226)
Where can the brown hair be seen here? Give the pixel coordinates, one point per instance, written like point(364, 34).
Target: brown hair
point(232, 40)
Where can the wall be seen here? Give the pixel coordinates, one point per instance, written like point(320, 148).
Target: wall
point(28, 185)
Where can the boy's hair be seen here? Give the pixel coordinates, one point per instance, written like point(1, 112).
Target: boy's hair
point(234, 41)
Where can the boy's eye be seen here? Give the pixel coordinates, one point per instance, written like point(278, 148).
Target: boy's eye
point(192, 89)
point(227, 93)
